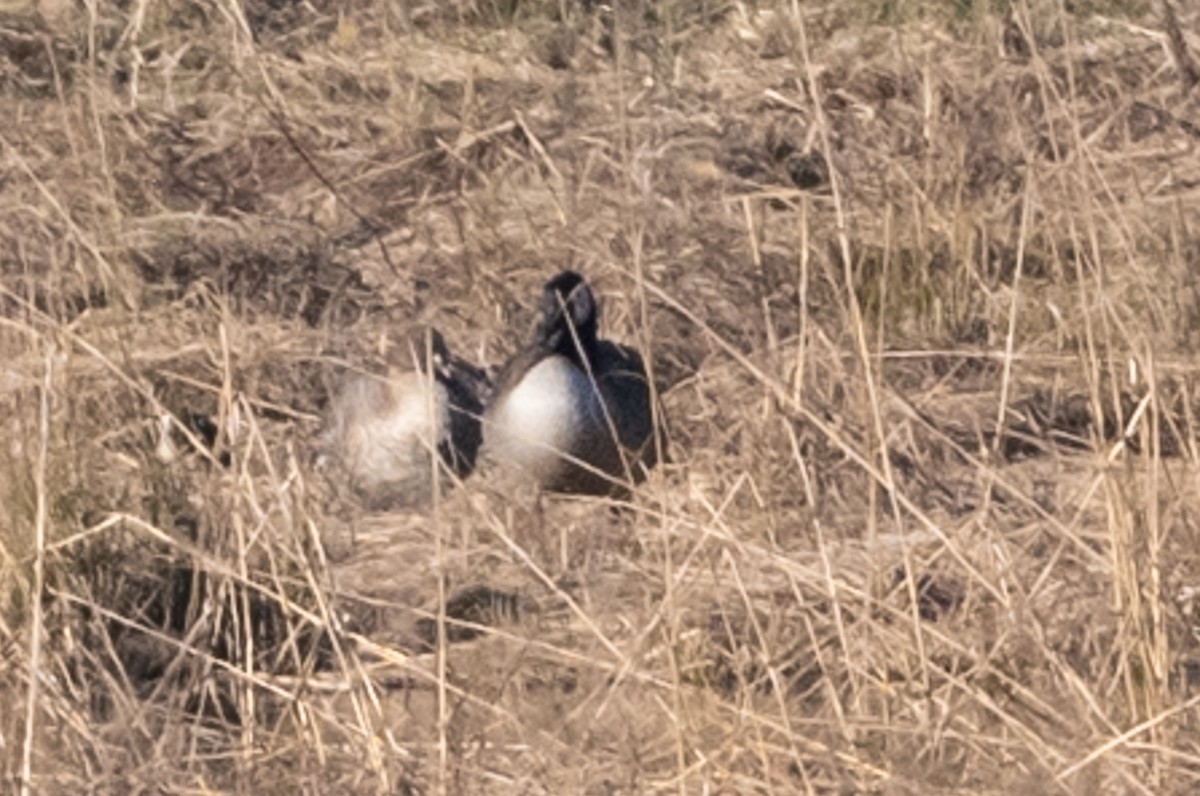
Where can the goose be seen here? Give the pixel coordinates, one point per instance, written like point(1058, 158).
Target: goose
point(570, 410)
point(383, 429)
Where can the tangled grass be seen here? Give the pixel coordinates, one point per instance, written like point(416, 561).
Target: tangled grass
point(917, 286)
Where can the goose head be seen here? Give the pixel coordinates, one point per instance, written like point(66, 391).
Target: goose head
point(422, 350)
point(568, 326)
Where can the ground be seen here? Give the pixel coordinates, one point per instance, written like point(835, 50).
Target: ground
point(917, 286)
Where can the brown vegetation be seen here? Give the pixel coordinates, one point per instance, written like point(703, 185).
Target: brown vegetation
point(917, 282)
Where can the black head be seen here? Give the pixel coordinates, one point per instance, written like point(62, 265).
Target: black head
point(568, 314)
point(425, 347)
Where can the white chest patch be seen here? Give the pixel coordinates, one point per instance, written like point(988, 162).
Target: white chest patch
point(542, 417)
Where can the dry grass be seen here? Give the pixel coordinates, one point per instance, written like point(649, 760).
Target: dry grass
point(918, 284)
